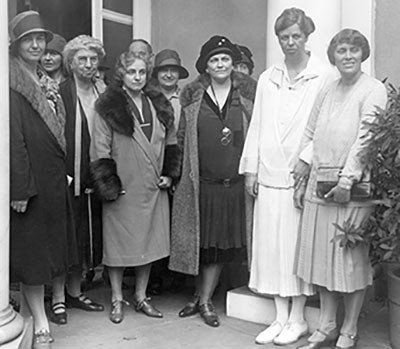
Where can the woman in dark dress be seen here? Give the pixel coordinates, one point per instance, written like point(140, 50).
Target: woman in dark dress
point(209, 216)
point(40, 209)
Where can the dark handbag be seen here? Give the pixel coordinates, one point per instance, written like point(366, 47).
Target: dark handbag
point(328, 177)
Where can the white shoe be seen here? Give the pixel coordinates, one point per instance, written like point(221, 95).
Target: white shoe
point(291, 333)
point(268, 335)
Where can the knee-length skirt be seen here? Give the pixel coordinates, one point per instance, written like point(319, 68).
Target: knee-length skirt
point(322, 261)
point(275, 230)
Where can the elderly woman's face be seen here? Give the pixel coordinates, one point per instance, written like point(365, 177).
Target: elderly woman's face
point(292, 41)
point(136, 76)
point(84, 64)
point(31, 47)
point(220, 67)
point(348, 59)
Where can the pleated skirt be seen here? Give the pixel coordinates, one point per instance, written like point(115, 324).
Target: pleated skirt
point(275, 230)
point(323, 262)
point(222, 222)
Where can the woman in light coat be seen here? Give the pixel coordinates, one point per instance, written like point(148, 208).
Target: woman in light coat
point(134, 148)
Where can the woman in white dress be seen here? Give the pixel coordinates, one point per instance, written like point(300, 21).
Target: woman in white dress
point(284, 98)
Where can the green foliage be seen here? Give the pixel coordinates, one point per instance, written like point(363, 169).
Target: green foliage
point(382, 229)
point(350, 235)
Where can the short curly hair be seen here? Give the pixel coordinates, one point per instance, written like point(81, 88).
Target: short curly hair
point(78, 43)
point(292, 16)
point(351, 37)
point(125, 60)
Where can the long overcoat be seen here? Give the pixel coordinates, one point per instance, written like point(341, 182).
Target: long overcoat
point(136, 225)
point(42, 239)
point(86, 208)
point(185, 229)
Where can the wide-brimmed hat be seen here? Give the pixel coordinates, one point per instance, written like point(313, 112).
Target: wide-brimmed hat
point(57, 43)
point(25, 23)
point(169, 58)
point(216, 44)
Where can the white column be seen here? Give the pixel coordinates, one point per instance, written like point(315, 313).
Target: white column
point(11, 324)
point(97, 19)
point(326, 15)
point(360, 15)
point(142, 20)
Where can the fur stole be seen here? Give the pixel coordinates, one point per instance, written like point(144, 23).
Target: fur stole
point(194, 91)
point(113, 106)
point(22, 83)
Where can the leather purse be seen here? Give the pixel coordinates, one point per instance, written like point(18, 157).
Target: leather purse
point(328, 177)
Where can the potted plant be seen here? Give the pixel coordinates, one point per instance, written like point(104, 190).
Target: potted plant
point(383, 228)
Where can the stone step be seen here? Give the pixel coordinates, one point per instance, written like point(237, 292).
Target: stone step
point(243, 304)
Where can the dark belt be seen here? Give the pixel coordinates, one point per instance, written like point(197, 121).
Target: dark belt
point(226, 182)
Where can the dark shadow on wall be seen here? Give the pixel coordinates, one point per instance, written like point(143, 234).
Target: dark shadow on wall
point(68, 18)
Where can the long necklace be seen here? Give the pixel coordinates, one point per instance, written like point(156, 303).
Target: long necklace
point(225, 131)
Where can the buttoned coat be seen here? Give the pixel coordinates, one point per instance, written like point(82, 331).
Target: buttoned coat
point(185, 229)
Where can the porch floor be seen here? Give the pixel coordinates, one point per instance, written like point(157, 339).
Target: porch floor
point(87, 330)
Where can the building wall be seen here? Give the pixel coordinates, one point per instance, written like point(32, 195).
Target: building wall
point(387, 36)
point(185, 25)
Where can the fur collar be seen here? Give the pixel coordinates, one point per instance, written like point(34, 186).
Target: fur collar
point(22, 83)
point(113, 106)
point(194, 91)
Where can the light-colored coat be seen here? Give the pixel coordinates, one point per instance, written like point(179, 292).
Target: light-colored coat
point(185, 230)
point(267, 153)
point(136, 225)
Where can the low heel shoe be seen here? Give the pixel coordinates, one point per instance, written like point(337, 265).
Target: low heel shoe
point(191, 307)
point(209, 315)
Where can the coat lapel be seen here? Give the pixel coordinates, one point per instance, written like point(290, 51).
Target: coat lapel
point(145, 144)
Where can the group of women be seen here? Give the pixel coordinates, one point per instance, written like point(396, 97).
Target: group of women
point(245, 163)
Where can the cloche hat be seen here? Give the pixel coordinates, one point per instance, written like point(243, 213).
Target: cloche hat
point(169, 58)
point(25, 23)
point(246, 56)
point(57, 43)
point(216, 44)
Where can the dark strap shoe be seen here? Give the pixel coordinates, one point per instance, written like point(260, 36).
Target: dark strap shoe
point(146, 308)
point(117, 311)
point(191, 307)
point(82, 302)
point(207, 312)
point(58, 313)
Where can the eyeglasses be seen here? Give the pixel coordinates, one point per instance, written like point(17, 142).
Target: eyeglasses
point(83, 60)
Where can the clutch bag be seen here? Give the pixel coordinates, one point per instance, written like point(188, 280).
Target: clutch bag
point(328, 177)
